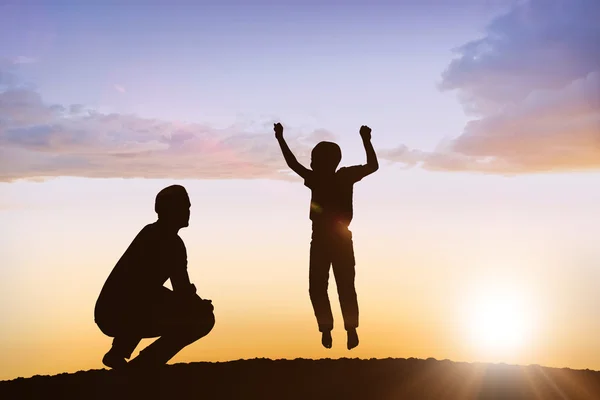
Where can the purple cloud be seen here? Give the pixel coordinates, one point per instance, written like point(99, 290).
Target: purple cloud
point(38, 141)
point(533, 85)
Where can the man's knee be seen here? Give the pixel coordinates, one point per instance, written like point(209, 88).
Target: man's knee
point(201, 325)
point(108, 326)
point(106, 329)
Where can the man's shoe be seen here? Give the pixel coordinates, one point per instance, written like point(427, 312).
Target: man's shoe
point(113, 360)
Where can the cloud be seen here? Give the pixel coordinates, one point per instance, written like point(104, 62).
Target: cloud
point(532, 83)
point(7, 76)
point(39, 140)
point(119, 88)
point(320, 135)
point(24, 60)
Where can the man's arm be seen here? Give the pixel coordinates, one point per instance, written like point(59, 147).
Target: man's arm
point(180, 280)
point(372, 163)
point(186, 290)
point(290, 159)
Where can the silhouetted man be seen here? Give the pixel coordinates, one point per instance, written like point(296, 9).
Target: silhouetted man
point(134, 304)
point(331, 214)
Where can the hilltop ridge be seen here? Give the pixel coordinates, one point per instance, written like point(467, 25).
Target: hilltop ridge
point(317, 379)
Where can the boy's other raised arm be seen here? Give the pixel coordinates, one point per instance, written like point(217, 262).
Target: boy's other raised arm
point(290, 159)
point(357, 172)
point(372, 163)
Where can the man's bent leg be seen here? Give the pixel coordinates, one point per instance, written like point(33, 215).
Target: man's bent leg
point(121, 349)
point(125, 345)
point(167, 346)
point(318, 283)
point(180, 324)
point(125, 340)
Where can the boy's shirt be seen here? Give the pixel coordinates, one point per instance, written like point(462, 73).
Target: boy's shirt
point(331, 199)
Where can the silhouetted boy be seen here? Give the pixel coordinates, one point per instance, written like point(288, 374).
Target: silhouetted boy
point(134, 304)
point(331, 214)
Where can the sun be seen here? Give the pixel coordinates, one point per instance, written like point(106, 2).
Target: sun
point(499, 321)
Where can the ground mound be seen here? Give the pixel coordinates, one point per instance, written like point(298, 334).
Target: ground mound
point(316, 379)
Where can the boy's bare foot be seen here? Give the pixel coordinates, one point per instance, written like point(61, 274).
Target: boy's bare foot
point(326, 339)
point(352, 339)
point(113, 360)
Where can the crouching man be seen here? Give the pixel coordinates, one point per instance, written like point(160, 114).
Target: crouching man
point(134, 304)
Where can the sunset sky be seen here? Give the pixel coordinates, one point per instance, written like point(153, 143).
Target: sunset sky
point(477, 239)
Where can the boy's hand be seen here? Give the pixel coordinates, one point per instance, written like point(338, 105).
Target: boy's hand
point(278, 128)
point(365, 132)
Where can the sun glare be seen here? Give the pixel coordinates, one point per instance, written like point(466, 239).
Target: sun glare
point(499, 321)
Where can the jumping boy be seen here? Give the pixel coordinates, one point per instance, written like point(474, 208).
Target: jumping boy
point(331, 214)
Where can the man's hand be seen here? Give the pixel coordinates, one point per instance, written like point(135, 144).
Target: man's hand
point(208, 304)
point(365, 132)
point(204, 304)
point(199, 303)
point(186, 292)
point(278, 128)
point(192, 289)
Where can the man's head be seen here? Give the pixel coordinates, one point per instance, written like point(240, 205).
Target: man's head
point(173, 206)
point(325, 157)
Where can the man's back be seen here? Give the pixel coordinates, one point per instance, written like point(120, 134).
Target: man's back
point(148, 262)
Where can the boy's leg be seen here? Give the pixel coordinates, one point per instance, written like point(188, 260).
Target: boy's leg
point(318, 283)
point(344, 272)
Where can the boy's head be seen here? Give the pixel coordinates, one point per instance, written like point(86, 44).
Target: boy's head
point(325, 157)
point(173, 206)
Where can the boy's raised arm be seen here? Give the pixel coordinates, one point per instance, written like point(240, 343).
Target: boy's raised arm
point(290, 159)
point(372, 163)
